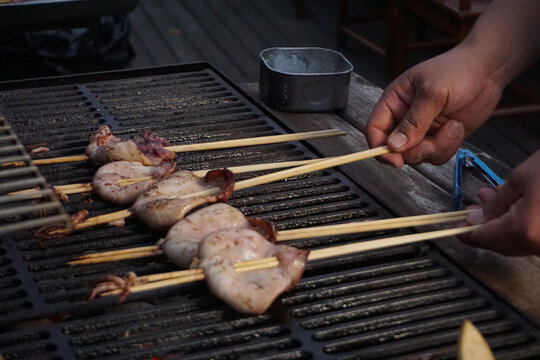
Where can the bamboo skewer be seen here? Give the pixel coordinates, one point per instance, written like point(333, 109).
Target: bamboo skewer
point(299, 170)
point(105, 218)
point(374, 225)
point(259, 180)
point(181, 277)
point(262, 140)
point(223, 144)
point(318, 231)
point(96, 220)
point(87, 187)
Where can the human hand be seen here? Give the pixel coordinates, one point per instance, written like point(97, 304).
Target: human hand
point(510, 213)
point(425, 113)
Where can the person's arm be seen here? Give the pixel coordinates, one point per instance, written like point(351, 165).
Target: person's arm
point(426, 112)
point(506, 38)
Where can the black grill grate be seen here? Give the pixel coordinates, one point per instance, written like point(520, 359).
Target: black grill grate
point(405, 301)
point(23, 210)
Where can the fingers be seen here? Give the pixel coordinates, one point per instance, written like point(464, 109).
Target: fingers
point(440, 146)
point(376, 136)
point(510, 213)
point(414, 125)
point(447, 141)
point(490, 237)
point(499, 203)
point(503, 234)
point(486, 194)
point(495, 203)
point(382, 120)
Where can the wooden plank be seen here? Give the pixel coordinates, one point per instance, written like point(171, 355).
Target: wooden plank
point(142, 56)
point(500, 145)
point(305, 33)
point(320, 12)
point(408, 192)
point(178, 41)
point(225, 40)
point(201, 40)
point(515, 130)
point(273, 35)
point(154, 43)
point(238, 24)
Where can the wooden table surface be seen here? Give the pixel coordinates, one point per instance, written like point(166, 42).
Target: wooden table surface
point(422, 189)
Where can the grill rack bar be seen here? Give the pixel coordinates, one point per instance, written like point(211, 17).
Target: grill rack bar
point(22, 211)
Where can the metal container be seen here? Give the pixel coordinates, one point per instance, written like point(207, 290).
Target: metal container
point(304, 79)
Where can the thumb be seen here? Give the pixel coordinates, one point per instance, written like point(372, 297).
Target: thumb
point(413, 127)
point(495, 203)
point(505, 195)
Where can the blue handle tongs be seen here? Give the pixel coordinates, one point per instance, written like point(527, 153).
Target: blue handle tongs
point(465, 158)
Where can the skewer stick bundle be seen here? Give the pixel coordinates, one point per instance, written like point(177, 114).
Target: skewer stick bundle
point(318, 231)
point(182, 277)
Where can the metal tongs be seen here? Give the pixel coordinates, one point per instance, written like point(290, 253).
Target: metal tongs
point(465, 158)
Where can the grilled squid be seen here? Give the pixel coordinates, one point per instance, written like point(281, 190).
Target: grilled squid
point(106, 180)
point(104, 148)
point(182, 241)
point(254, 291)
point(168, 201)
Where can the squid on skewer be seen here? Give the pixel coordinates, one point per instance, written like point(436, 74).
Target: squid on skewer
point(104, 148)
point(214, 239)
point(181, 244)
point(165, 203)
point(105, 182)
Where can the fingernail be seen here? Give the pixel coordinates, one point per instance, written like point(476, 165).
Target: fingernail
point(476, 217)
point(396, 141)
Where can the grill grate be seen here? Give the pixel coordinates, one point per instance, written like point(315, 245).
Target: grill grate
point(405, 301)
point(23, 210)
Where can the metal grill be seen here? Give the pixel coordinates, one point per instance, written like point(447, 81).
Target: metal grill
point(405, 301)
point(23, 210)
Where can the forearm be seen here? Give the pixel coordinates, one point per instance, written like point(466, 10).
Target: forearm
point(505, 40)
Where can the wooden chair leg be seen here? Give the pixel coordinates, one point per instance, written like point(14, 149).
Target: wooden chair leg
point(396, 39)
point(419, 29)
point(299, 11)
point(462, 31)
point(342, 6)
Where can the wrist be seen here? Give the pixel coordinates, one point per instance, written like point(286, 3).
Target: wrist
point(505, 39)
point(486, 62)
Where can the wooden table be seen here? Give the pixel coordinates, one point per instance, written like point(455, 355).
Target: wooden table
point(422, 189)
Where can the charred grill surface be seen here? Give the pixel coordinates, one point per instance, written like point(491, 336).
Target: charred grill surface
point(406, 301)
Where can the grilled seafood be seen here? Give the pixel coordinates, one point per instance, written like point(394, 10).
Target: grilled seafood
point(163, 204)
point(112, 282)
point(105, 182)
point(49, 232)
point(254, 291)
point(182, 241)
point(104, 148)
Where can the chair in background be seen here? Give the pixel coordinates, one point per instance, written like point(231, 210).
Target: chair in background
point(452, 18)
